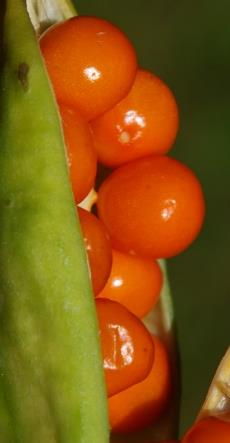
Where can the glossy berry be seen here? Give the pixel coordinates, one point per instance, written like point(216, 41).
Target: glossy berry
point(91, 63)
point(142, 404)
point(145, 122)
point(82, 159)
point(98, 248)
point(153, 206)
point(134, 282)
point(208, 430)
point(127, 347)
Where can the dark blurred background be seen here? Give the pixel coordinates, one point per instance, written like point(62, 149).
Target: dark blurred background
point(187, 43)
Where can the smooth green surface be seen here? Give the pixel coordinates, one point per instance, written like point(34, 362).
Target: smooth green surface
point(51, 384)
point(187, 43)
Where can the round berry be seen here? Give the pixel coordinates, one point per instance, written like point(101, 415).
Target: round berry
point(90, 62)
point(152, 206)
point(145, 122)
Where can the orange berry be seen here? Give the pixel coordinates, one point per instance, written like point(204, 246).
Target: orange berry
point(143, 403)
point(98, 248)
point(145, 122)
point(208, 430)
point(153, 206)
point(82, 158)
point(134, 282)
point(91, 63)
point(127, 347)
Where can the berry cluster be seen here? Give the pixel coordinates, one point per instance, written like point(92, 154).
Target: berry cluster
point(149, 207)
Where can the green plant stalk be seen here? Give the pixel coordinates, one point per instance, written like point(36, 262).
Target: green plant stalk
point(51, 379)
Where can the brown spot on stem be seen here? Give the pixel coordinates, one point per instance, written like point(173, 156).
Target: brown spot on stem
point(22, 74)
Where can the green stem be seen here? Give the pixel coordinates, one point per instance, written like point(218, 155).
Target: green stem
point(51, 385)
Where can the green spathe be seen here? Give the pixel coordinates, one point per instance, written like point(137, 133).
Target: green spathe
point(51, 381)
point(45, 13)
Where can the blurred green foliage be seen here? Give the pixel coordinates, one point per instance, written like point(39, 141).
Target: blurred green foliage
point(187, 43)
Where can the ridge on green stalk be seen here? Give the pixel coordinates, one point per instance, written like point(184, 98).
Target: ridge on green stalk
point(51, 385)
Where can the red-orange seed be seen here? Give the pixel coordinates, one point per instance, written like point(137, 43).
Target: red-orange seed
point(134, 282)
point(127, 347)
point(90, 62)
